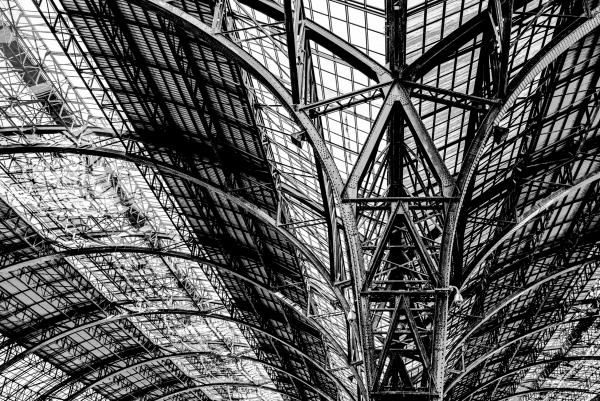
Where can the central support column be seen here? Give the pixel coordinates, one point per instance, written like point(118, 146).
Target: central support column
point(405, 296)
point(401, 288)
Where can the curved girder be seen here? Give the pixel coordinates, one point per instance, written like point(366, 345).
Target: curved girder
point(257, 70)
point(508, 300)
point(525, 217)
point(247, 206)
point(143, 393)
point(155, 141)
point(58, 255)
point(527, 74)
point(77, 310)
point(533, 67)
point(170, 356)
point(173, 311)
point(473, 365)
point(547, 390)
point(544, 164)
point(551, 249)
point(225, 384)
point(97, 365)
point(184, 175)
point(261, 73)
point(529, 366)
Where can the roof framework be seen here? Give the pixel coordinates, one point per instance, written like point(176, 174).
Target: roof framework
point(304, 200)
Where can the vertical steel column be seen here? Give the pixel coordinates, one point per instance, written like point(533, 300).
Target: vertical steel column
point(396, 36)
point(290, 30)
point(395, 56)
point(402, 363)
point(440, 335)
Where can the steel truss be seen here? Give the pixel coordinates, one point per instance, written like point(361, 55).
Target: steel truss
point(393, 285)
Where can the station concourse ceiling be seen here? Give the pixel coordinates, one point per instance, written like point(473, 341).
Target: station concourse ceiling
point(314, 200)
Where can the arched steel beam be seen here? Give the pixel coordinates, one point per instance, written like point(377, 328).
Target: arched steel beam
point(551, 157)
point(74, 311)
point(247, 206)
point(323, 37)
point(539, 207)
point(188, 354)
point(176, 172)
point(511, 298)
point(95, 366)
point(551, 249)
point(529, 366)
point(471, 367)
point(143, 392)
point(550, 52)
point(33, 129)
point(225, 384)
point(58, 255)
point(261, 73)
point(527, 74)
point(102, 132)
point(255, 68)
point(174, 311)
point(547, 390)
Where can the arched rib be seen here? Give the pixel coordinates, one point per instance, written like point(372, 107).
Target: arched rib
point(547, 390)
point(173, 311)
point(473, 365)
point(539, 207)
point(226, 384)
point(511, 298)
point(529, 366)
point(188, 354)
point(255, 68)
point(58, 255)
point(184, 175)
point(528, 73)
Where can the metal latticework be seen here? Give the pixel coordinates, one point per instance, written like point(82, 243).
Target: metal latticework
point(332, 200)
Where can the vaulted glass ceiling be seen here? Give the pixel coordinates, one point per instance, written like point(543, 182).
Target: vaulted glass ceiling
point(176, 225)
